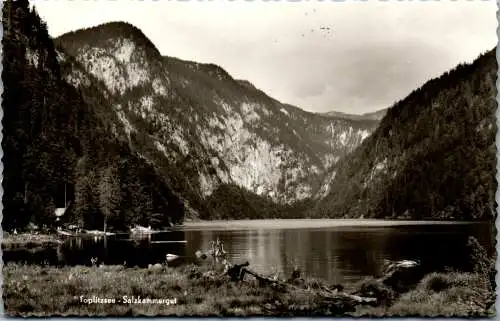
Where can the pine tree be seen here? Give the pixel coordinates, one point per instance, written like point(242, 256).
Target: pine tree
point(109, 193)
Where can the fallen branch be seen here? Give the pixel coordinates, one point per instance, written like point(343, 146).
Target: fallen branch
point(262, 279)
point(334, 300)
point(324, 292)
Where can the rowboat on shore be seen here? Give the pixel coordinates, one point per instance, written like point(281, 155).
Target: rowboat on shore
point(65, 233)
point(97, 232)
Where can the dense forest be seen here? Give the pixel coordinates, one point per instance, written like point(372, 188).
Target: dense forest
point(432, 156)
point(59, 150)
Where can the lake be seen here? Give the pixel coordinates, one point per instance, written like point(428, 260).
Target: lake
point(336, 250)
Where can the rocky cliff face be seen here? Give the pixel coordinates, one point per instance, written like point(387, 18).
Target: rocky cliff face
point(199, 126)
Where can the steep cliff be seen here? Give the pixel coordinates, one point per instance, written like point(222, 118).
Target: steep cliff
point(432, 157)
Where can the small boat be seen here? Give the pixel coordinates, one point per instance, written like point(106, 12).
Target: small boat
point(159, 242)
point(171, 257)
point(97, 232)
point(407, 263)
point(391, 266)
point(65, 233)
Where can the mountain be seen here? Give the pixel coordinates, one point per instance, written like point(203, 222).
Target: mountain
point(210, 136)
point(60, 140)
point(99, 121)
point(432, 156)
point(375, 116)
point(135, 137)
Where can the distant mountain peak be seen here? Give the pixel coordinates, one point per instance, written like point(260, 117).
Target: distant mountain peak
point(116, 25)
point(100, 35)
point(374, 116)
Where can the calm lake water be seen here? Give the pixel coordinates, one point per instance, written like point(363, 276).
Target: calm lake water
point(336, 250)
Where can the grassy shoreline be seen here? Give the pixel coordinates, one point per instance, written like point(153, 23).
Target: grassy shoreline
point(31, 290)
point(30, 240)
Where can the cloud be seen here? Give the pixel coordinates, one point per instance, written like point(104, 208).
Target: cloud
point(374, 53)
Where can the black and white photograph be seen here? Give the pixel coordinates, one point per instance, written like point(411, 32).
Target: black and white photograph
point(257, 158)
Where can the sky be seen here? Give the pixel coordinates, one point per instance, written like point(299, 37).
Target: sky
point(352, 56)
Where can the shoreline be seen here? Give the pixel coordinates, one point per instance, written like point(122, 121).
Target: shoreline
point(49, 239)
point(311, 223)
point(30, 240)
point(10, 240)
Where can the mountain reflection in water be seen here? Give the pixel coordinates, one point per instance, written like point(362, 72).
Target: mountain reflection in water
point(337, 254)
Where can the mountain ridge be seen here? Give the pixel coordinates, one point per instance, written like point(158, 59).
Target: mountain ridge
point(375, 115)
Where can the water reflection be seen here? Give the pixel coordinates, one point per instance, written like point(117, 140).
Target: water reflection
point(338, 254)
point(345, 254)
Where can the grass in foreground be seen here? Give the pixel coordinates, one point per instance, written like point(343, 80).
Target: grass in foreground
point(451, 294)
point(36, 290)
point(45, 291)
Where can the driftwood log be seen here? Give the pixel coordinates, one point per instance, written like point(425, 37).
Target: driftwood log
point(264, 281)
point(237, 273)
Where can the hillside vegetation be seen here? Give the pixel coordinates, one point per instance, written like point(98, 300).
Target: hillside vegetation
point(432, 157)
point(55, 137)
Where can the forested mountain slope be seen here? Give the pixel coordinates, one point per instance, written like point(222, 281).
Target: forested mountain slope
point(432, 157)
point(54, 136)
